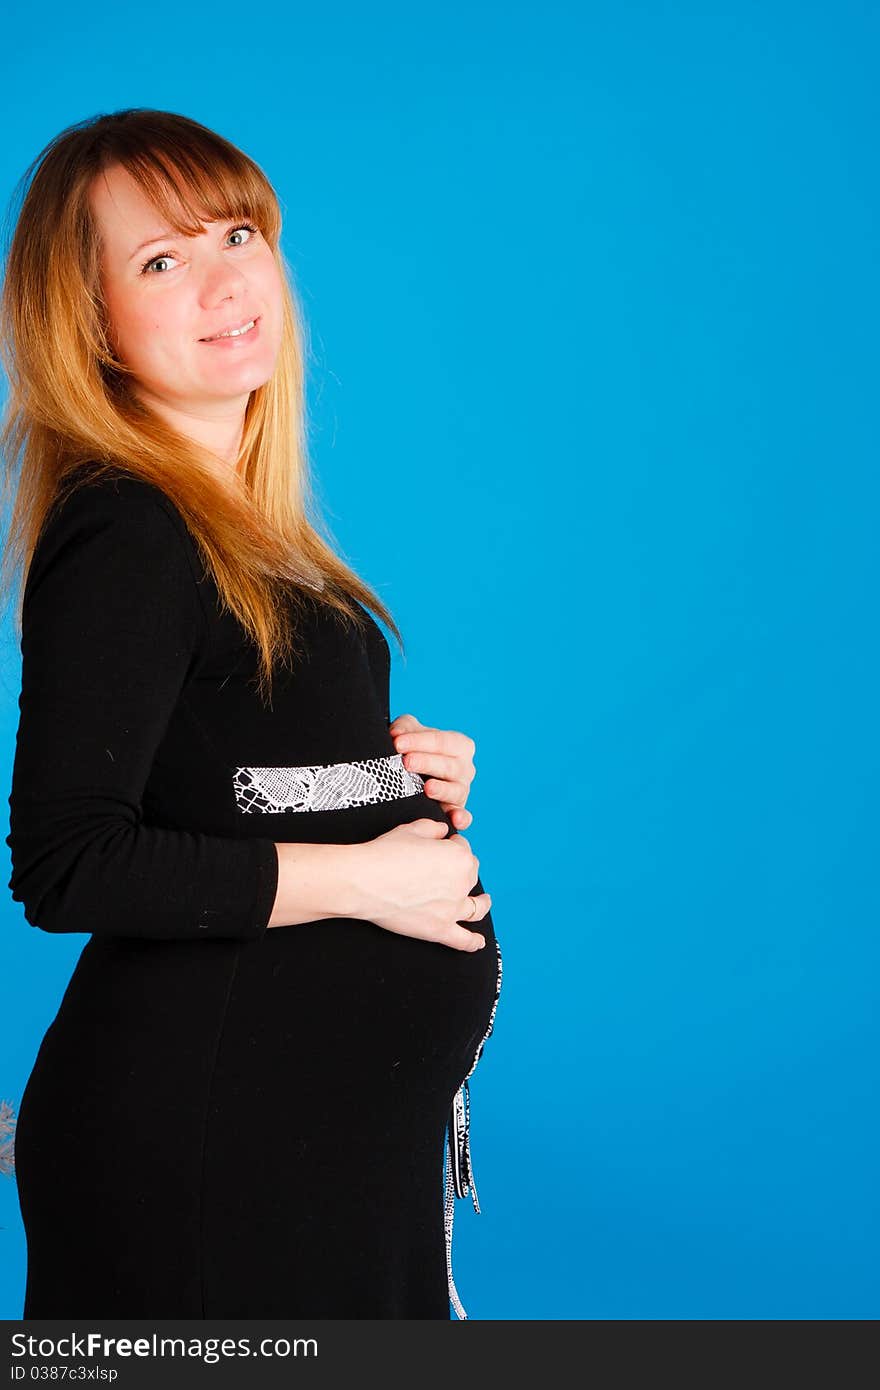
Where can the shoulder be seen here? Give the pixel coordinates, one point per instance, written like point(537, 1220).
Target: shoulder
point(88, 492)
point(116, 528)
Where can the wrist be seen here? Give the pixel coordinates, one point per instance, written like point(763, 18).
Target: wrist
point(345, 867)
point(351, 871)
point(317, 881)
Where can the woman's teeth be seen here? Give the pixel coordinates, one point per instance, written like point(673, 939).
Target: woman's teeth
point(233, 332)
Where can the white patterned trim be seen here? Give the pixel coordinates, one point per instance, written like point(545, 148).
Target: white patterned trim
point(328, 787)
point(459, 1172)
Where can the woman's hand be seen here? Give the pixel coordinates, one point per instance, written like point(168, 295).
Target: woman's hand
point(415, 882)
point(445, 756)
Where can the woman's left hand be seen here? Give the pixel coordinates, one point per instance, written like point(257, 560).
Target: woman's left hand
point(446, 757)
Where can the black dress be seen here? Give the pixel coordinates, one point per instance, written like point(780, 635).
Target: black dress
point(222, 1120)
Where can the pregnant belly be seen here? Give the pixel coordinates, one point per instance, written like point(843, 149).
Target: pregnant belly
point(345, 1000)
point(376, 1004)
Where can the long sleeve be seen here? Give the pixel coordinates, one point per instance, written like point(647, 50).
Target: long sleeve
point(111, 627)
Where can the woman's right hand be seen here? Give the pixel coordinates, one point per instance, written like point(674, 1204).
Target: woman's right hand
point(416, 880)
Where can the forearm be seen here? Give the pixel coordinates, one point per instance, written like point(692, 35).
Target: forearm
point(315, 882)
point(82, 866)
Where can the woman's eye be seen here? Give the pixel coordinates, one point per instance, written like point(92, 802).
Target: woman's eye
point(169, 255)
point(245, 227)
point(165, 256)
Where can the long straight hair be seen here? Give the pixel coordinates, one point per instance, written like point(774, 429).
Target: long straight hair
point(69, 402)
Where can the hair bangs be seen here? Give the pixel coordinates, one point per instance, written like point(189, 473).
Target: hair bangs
point(202, 181)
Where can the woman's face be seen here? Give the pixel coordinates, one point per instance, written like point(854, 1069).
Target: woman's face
point(167, 296)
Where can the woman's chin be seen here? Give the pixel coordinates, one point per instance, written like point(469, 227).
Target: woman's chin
point(237, 379)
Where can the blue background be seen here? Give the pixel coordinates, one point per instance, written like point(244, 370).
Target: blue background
point(593, 299)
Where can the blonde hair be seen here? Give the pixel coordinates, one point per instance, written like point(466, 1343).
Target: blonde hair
point(68, 403)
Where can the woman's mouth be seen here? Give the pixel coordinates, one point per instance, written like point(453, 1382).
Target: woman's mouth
point(237, 333)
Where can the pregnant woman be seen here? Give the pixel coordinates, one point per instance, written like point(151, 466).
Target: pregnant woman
point(253, 1099)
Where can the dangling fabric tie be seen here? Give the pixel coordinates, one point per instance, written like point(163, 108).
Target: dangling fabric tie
point(459, 1167)
point(460, 1144)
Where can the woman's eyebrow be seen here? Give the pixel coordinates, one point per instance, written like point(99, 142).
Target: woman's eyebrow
point(161, 236)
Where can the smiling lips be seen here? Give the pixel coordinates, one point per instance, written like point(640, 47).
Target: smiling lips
point(234, 332)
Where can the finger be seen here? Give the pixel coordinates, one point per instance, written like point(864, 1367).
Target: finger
point(443, 765)
point(404, 723)
point(435, 764)
point(431, 829)
point(483, 903)
point(429, 740)
point(455, 793)
point(463, 940)
point(460, 816)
